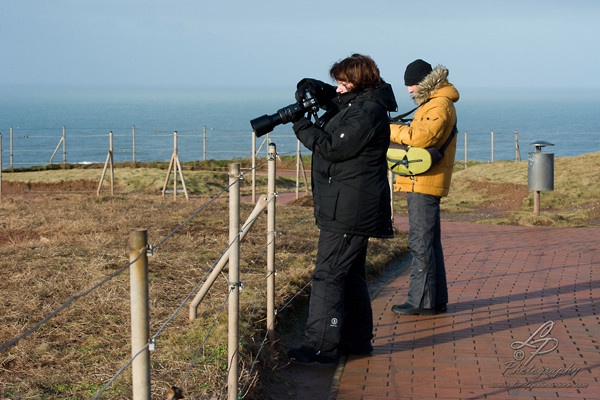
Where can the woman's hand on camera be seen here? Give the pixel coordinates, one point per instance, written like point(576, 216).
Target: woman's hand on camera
point(297, 117)
point(301, 92)
point(320, 90)
point(301, 123)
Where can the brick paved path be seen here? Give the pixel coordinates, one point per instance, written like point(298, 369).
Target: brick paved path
point(505, 283)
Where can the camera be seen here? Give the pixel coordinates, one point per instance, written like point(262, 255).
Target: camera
point(266, 123)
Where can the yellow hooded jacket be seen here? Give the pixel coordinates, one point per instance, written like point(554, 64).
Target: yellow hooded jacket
point(432, 124)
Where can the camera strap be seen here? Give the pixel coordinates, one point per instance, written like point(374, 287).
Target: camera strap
point(400, 118)
point(320, 122)
point(447, 142)
point(316, 117)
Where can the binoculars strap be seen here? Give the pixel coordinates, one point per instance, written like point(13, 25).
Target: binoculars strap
point(400, 118)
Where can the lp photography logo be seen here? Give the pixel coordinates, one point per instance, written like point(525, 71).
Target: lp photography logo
point(527, 374)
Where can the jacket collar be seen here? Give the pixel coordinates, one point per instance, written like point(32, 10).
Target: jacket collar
point(343, 99)
point(382, 95)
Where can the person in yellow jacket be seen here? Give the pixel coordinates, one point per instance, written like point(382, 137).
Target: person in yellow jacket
point(432, 124)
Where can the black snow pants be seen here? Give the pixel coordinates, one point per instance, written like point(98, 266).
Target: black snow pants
point(340, 316)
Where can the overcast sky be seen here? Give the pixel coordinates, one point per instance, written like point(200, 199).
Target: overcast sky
point(500, 43)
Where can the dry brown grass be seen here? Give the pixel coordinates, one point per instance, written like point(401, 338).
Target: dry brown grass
point(56, 245)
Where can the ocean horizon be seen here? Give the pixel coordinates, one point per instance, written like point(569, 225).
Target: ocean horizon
point(215, 123)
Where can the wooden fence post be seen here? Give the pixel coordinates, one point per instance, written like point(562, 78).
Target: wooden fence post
point(253, 167)
point(140, 315)
point(175, 165)
point(109, 161)
point(298, 161)
point(10, 154)
point(234, 281)
point(175, 152)
point(466, 158)
point(518, 152)
point(112, 163)
point(64, 142)
point(300, 169)
point(492, 146)
point(133, 143)
point(204, 143)
point(271, 198)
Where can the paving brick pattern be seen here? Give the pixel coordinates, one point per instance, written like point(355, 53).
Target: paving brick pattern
point(509, 286)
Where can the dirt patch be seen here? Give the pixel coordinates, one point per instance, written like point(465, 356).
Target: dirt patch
point(82, 185)
point(14, 237)
point(303, 201)
point(501, 200)
point(503, 196)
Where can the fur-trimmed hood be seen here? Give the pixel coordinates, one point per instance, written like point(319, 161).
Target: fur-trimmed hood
point(435, 85)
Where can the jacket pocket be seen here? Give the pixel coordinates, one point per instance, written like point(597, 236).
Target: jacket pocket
point(328, 200)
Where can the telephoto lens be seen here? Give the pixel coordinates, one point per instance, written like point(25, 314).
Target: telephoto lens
point(266, 123)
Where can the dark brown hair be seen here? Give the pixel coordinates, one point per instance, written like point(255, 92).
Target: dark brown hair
point(357, 69)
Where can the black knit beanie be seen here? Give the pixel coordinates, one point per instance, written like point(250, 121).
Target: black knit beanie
point(416, 71)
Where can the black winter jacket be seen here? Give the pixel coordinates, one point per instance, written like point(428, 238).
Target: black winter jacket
point(349, 171)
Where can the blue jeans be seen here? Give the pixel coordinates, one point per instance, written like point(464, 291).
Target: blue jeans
point(428, 285)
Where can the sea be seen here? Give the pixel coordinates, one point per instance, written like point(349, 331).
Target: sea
point(42, 125)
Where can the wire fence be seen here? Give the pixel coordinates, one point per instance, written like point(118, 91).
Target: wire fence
point(496, 145)
point(23, 147)
point(149, 249)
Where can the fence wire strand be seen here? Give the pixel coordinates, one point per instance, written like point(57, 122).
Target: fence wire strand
point(69, 301)
point(160, 243)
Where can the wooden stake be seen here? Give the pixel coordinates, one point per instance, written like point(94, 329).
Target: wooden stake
point(174, 165)
point(109, 161)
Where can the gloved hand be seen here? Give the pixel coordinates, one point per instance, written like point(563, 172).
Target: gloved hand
point(321, 91)
point(301, 123)
point(302, 88)
point(297, 117)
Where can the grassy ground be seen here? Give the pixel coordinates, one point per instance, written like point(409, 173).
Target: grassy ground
point(57, 239)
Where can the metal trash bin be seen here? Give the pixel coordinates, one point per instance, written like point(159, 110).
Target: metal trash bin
point(540, 171)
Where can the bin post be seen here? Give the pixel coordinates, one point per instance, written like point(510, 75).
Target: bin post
point(540, 172)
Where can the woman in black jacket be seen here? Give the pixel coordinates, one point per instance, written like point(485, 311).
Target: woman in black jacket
point(352, 203)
